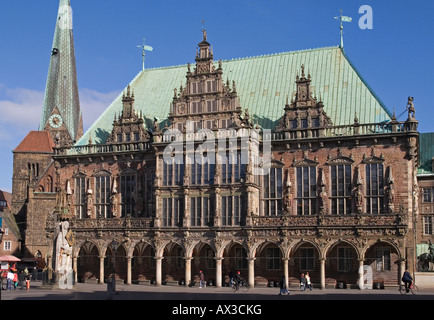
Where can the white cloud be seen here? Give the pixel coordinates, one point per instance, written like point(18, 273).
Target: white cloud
point(20, 112)
point(93, 104)
point(21, 109)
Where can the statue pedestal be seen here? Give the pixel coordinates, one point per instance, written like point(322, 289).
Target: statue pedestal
point(64, 280)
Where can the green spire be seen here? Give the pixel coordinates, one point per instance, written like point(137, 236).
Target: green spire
point(61, 93)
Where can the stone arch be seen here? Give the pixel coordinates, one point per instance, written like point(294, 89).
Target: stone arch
point(88, 254)
point(115, 262)
point(203, 255)
point(305, 256)
point(269, 265)
point(235, 256)
point(384, 258)
point(143, 262)
point(332, 244)
point(342, 263)
point(173, 265)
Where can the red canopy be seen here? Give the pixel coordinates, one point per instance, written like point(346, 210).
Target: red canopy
point(9, 258)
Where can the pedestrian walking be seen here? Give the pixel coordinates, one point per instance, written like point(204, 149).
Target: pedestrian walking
point(202, 279)
point(15, 279)
point(283, 288)
point(21, 279)
point(28, 276)
point(302, 282)
point(308, 282)
point(9, 279)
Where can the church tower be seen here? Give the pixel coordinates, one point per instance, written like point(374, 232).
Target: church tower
point(61, 114)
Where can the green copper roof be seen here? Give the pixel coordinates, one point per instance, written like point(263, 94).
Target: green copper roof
point(62, 89)
point(426, 148)
point(262, 84)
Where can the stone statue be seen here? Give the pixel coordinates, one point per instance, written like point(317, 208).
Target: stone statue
point(410, 108)
point(89, 202)
point(114, 202)
point(63, 262)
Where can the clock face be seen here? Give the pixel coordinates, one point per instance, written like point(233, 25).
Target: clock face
point(55, 121)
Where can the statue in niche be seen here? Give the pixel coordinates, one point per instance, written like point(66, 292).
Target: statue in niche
point(288, 195)
point(89, 203)
point(390, 192)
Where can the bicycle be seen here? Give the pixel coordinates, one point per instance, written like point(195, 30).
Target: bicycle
point(242, 285)
point(403, 290)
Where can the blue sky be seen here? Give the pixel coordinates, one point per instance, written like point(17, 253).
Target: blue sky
point(395, 57)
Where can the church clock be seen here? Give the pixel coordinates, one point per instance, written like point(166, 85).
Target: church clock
point(55, 121)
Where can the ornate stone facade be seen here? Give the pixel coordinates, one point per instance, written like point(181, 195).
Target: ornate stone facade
point(335, 200)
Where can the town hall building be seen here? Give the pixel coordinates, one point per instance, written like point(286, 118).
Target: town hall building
point(274, 165)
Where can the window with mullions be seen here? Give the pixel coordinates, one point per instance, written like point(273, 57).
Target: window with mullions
point(200, 211)
point(231, 210)
point(345, 259)
point(80, 197)
point(306, 190)
point(374, 188)
point(128, 192)
point(173, 173)
point(272, 192)
point(102, 196)
point(428, 194)
point(232, 168)
point(307, 259)
point(428, 225)
point(202, 173)
point(149, 195)
point(341, 189)
point(382, 257)
point(240, 259)
point(273, 258)
point(173, 209)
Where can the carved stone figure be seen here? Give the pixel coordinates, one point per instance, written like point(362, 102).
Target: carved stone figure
point(410, 108)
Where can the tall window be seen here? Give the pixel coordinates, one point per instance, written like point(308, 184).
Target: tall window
point(306, 190)
point(173, 209)
point(80, 196)
point(428, 225)
point(240, 259)
point(272, 187)
point(200, 211)
point(341, 189)
point(273, 258)
point(307, 259)
point(232, 168)
point(428, 194)
point(231, 210)
point(128, 192)
point(102, 196)
point(149, 195)
point(202, 173)
point(382, 258)
point(173, 173)
point(345, 259)
point(374, 188)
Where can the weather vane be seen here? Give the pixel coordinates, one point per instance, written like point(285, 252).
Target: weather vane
point(342, 19)
point(144, 48)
